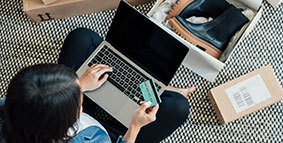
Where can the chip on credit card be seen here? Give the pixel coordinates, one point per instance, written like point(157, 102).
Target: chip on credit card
point(149, 92)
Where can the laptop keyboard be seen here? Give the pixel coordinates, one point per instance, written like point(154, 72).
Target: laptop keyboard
point(124, 76)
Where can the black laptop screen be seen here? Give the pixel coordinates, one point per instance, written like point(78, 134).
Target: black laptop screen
point(145, 43)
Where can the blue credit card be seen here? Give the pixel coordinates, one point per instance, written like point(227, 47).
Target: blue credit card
point(149, 92)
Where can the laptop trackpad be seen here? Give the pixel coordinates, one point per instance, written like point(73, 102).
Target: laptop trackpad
point(108, 97)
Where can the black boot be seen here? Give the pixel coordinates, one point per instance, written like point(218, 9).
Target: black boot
point(212, 36)
point(204, 8)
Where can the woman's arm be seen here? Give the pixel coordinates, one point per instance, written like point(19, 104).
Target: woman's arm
point(144, 115)
point(132, 134)
point(141, 117)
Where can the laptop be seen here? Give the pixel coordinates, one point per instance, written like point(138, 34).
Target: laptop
point(137, 50)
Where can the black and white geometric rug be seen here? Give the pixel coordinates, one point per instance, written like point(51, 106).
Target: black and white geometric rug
point(23, 43)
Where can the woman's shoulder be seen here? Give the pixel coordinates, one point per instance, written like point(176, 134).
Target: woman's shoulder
point(92, 134)
point(90, 130)
point(84, 122)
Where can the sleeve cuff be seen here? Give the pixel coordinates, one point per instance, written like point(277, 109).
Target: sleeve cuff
point(121, 140)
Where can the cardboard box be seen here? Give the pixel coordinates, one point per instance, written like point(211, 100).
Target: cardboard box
point(39, 12)
point(202, 63)
point(46, 2)
point(246, 94)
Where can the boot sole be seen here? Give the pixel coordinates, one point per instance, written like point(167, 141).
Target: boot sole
point(187, 35)
point(178, 8)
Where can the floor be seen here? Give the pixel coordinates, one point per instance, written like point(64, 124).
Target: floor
point(23, 43)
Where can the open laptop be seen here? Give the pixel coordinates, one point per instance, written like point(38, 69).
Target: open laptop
point(138, 50)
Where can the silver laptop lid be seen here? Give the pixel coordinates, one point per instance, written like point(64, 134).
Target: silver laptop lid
point(145, 43)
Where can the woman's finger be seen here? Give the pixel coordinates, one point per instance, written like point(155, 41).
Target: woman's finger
point(144, 106)
point(142, 102)
point(93, 65)
point(98, 66)
point(155, 109)
point(104, 78)
point(93, 71)
point(103, 70)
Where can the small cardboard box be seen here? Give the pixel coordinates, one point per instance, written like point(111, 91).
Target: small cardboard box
point(199, 61)
point(39, 12)
point(46, 2)
point(246, 94)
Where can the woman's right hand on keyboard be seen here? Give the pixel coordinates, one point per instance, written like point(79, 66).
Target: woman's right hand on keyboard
point(91, 80)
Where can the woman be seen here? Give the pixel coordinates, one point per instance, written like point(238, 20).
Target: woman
point(44, 103)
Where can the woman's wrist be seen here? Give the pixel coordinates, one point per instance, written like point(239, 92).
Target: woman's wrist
point(132, 133)
point(135, 128)
point(84, 85)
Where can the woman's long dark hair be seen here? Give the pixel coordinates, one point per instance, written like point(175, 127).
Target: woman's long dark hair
point(42, 103)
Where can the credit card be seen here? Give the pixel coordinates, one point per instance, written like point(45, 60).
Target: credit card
point(149, 92)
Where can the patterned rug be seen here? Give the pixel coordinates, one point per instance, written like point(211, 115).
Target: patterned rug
point(23, 43)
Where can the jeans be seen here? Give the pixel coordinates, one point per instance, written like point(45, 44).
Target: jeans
point(173, 111)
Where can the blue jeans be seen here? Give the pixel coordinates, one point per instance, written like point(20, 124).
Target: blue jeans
point(173, 111)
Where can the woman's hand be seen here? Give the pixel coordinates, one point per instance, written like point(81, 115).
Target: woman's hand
point(141, 117)
point(90, 79)
point(144, 115)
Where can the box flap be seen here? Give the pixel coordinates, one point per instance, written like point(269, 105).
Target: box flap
point(274, 3)
point(201, 63)
point(37, 4)
point(46, 2)
point(255, 4)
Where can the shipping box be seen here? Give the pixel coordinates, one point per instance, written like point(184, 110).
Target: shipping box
point(46, 2)
point(39, 12)
point(246, 94)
